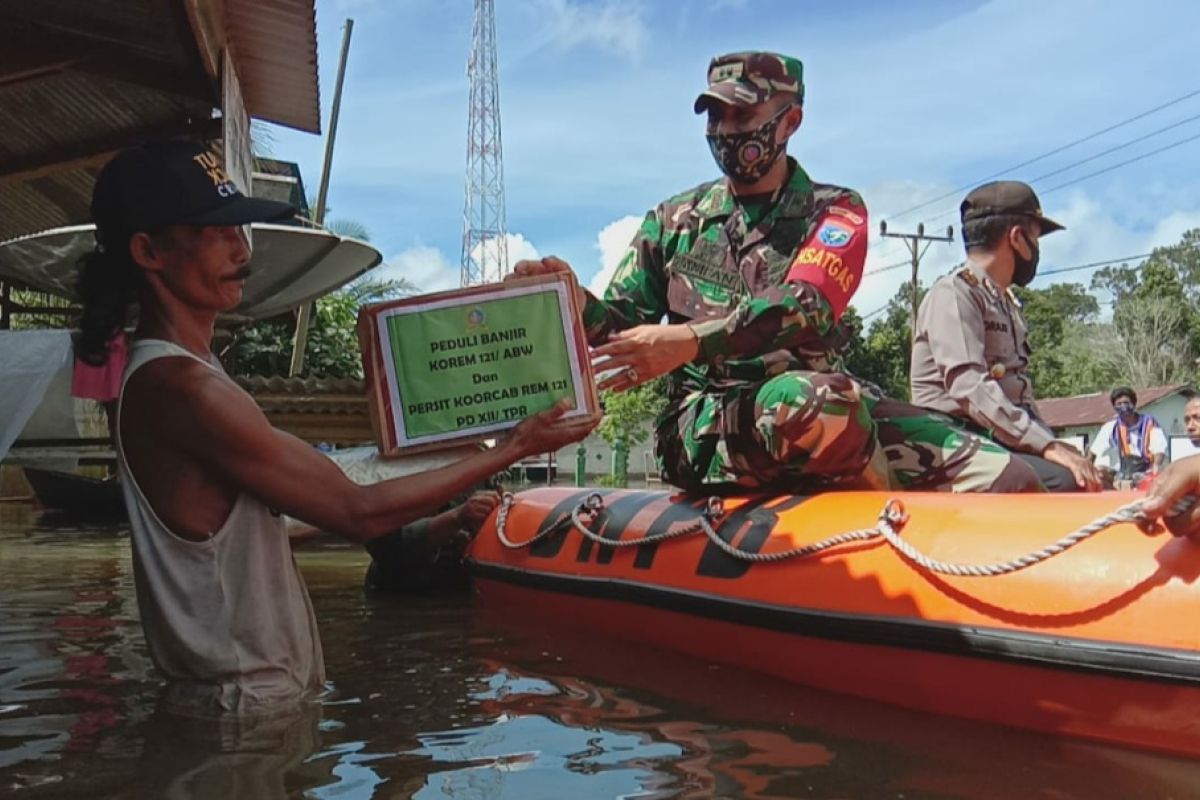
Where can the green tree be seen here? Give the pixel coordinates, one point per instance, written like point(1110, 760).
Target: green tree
point(883, 353)
point(626, 413)
point(332, 350)
point(1054, 314)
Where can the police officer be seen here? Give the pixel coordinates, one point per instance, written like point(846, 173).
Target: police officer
point(752, 272)
point(970, 355)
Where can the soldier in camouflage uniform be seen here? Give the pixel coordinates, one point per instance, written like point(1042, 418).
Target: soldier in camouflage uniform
point(753, 272)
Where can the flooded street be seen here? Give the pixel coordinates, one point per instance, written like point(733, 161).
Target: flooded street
point(438, 698)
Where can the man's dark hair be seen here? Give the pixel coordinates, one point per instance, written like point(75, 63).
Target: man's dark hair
point(986, 232)
point(108, 285)
point(1122, 391)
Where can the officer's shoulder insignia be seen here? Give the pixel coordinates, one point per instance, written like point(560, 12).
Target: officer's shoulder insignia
point(966, 274)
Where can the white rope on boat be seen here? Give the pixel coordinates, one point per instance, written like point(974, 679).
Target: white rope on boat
point(892, 520)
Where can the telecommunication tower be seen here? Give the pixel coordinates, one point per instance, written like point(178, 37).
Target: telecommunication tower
point(484, 245)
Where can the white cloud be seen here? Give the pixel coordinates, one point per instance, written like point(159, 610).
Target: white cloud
point(612, 241)
point(617, 26)
point(430, 270)
point(1095, 233)
point(425, 267)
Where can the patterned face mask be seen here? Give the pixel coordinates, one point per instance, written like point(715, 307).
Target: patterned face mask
point(747, 156)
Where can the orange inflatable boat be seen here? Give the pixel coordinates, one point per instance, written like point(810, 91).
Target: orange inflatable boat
point(1012, 609)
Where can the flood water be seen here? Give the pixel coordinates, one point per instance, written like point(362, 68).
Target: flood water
point(439, 698)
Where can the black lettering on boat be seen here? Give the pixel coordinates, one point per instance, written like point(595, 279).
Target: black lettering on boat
point(674, 514)
point(611, 523)
point(551, 545)
point(758, 520)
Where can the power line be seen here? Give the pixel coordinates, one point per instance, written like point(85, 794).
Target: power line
point(1049, 153)
point(1139, 257)
point(1098, 172)
point(1094, 264)
point(1093, 157)
point(1122, 163)
point(878, 270)
point(879, 310)
point(1115, 148)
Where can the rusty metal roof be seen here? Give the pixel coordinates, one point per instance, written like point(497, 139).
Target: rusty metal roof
point(79, 81)
point(275, 47)
point(1096, 408)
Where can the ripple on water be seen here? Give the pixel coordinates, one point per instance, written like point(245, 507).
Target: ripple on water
point(431, 699)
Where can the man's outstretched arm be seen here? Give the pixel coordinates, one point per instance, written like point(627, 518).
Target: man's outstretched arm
point(222, 428)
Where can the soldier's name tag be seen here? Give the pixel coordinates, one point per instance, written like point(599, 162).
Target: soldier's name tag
point(706, 269)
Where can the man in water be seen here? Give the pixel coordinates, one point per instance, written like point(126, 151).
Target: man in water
point(753, 272)
point(206, 478)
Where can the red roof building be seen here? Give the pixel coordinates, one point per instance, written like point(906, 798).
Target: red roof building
point(1088, 410)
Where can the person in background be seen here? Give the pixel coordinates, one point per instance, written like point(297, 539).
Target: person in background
point(1191, 419)
point(1177, 481)
point(208, 482)
point(1132, 446)
point(970, 354)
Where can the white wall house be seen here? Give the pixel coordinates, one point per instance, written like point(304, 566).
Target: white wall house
point(1078, 419)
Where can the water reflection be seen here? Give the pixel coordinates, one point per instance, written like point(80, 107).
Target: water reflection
point(438, 698)
point(230, 757)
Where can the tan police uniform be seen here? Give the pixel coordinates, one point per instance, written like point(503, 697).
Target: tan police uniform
point(970, 359)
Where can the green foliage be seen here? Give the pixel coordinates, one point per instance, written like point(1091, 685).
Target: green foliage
point(350, 228)
point(883, 353)
point(1060, 319)
point(332, 351)
point(626, 413)
point(39, 319)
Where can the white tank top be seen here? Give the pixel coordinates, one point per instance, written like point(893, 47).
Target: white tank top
point(228, 619)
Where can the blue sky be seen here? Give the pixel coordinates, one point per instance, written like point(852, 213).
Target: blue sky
point(905, 102)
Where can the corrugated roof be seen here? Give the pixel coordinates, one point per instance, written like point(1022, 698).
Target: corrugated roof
point(275, 46)
point(1094, 409)
point(79, 81)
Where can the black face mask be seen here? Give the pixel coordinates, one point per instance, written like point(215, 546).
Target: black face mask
point(746, 157)
point(1025, 269)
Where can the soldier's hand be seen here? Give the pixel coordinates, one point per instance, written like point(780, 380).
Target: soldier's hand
point(643, 353)
point(550, 265)
point(1173, 484)
point(1084, 471)
point(472, 513)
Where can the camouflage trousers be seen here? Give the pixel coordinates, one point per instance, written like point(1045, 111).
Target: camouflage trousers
point(807, 431)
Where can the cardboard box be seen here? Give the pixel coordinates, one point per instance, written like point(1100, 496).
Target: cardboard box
point(460, 366)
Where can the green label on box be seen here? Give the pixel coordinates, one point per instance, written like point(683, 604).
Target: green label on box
point(480, 365)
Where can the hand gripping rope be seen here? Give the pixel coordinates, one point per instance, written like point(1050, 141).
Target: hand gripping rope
point(892, 520)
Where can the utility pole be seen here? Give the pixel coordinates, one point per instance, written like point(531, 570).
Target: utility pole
point(913, 242)
point(304, 317)
point(484, 241)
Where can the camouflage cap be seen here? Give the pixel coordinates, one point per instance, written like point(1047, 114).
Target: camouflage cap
point(749, 78)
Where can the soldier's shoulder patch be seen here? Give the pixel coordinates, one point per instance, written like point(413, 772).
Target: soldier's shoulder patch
point(841, 211)
point(848, 198)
